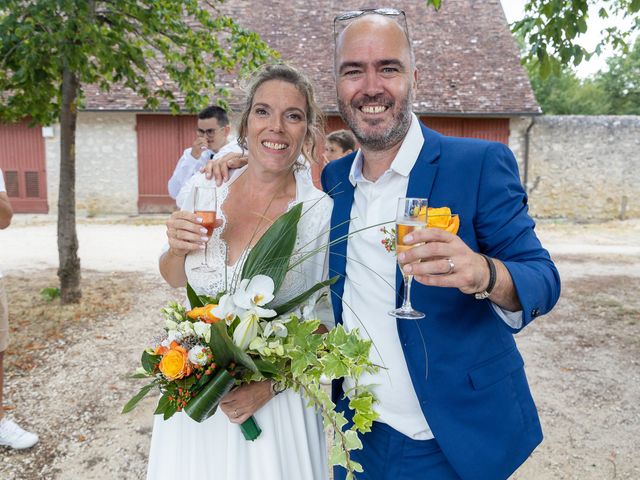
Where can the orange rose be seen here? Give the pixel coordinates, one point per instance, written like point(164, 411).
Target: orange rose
point(443, 219)
point(204, 314)
point(175, 364)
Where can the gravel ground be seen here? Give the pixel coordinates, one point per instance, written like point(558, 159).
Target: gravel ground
point(582, 359)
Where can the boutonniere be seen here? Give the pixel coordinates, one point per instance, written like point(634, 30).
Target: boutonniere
point(440, 217)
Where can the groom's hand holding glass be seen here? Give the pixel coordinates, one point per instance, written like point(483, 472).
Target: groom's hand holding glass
point(444, 260)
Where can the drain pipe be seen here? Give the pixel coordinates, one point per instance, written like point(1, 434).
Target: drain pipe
point(526, 154)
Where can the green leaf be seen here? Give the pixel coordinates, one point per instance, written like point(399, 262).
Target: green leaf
point(268, 369)
point(163, 403)
point(150, 361)
point(194, 299)
point(300, 299)
point(225, 351)
point(272, 252)
point(206, 402)
point(130, 405)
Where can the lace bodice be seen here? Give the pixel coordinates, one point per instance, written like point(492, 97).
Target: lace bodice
point(313, 233)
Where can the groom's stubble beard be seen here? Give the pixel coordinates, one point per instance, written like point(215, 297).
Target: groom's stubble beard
point(379, 141)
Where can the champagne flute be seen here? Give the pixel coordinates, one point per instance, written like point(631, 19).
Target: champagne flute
point(410, 215)
point(205, 206)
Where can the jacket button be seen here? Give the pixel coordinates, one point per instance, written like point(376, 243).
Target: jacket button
point(535, 312)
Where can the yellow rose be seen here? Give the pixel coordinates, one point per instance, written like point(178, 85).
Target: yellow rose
point(443, 219)
point(175, 364)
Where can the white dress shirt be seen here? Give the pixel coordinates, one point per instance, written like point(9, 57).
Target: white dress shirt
point(188, 165)
point(372, 294)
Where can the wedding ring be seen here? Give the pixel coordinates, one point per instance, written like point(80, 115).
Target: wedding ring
point(235, 413)
point(451, 266)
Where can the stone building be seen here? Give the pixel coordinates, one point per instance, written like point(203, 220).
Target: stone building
point(471, 83)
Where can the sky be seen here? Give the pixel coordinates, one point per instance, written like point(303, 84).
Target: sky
point(514, 10)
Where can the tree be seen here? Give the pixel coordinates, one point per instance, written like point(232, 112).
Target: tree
point(615, 91)
point(52, 49)
point(622, 82)
point(551, 28)
point(566, 94)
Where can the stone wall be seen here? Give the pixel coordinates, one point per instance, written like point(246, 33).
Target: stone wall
point(582, 168)
point(106, 164)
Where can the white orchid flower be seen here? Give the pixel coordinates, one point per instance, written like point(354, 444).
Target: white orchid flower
point(227, 309)
point(254, 294)
point(198, 355)
point(203, 330)
point(246, 330)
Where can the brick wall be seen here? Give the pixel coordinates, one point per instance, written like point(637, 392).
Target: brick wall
point(106, 165)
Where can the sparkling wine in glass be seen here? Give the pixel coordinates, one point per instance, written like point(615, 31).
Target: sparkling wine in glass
point(205, 206)
point(411, 215)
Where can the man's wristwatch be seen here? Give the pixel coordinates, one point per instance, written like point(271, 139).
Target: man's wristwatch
point(492, 279)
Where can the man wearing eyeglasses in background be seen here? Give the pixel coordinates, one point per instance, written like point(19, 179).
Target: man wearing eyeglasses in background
point(453, 396)
point(212, 138)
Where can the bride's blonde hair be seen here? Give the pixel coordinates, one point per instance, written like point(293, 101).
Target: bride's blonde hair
point(290, 75)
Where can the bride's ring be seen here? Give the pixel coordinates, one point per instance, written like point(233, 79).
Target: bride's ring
point(451, 266)
point(235, 413)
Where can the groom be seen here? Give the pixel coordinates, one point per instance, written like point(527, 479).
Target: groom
point(465, 411)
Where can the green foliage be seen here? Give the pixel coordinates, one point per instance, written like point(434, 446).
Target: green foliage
point(335, 354)
point(614, 92)
point(622, 82)
point(152, 47)
point(551, 28)
point(139, 396)
point(50, 293)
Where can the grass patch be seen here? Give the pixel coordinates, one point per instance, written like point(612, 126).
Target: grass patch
point(37, 324)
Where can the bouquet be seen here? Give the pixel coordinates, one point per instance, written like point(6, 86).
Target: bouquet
point(239, 336)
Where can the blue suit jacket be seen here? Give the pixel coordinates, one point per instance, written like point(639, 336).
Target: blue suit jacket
point(476, 397)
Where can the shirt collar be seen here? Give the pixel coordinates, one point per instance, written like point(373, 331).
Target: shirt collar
point(405, 158)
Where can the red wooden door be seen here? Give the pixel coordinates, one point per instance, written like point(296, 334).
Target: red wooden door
point(161, 141)
point(22, 160)
point(495, 129)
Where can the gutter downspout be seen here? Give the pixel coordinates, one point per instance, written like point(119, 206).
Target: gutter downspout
point(526, 154)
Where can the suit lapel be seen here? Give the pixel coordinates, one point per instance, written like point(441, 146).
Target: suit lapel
point(342, 192)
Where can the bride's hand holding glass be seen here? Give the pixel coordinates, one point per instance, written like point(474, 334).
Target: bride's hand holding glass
point(189, 232)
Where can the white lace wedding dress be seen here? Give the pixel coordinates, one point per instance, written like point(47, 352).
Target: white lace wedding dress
point(292, 443)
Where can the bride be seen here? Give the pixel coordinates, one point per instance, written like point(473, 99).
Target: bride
point(279, 121)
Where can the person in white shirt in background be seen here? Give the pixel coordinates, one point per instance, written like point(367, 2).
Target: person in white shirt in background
point(11, 435)
point(213, 139)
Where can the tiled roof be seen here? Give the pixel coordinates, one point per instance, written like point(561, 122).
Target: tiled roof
point(468, 61)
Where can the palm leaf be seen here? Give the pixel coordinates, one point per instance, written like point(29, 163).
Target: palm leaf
point(272, 252)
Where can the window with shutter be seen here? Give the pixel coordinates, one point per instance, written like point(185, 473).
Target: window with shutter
point(11, 179)
point(32, 184)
